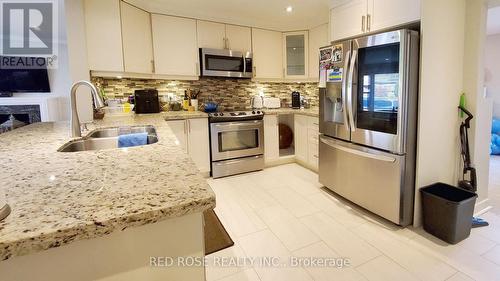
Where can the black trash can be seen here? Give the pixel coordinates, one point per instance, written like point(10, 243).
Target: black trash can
point(447, 211)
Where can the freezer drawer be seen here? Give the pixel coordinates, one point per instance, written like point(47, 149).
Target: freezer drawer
point(375, 180)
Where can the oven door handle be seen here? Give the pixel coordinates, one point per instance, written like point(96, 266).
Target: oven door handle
point(246, 124)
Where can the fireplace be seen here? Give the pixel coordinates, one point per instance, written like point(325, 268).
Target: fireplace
point(14, 116)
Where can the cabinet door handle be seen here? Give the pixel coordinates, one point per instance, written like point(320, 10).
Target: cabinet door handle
point(153, 66)
point(368, 22)
point(197, 66)
point(189, 126)
point(363, 23)
point(254, 71)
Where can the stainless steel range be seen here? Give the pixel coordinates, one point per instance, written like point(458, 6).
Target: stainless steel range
point(236, 142)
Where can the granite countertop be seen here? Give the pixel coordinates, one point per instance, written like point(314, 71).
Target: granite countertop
point(58, 198)
point(313, 111)
point(173, 115)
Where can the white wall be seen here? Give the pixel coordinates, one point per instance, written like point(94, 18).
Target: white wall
point(442, 51)
point(492, 68)
point(77, 56)
point(71, 64)
point(477, 103)
point(58, 78)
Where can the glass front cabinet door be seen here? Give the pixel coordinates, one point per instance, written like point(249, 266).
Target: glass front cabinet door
point(295, 50)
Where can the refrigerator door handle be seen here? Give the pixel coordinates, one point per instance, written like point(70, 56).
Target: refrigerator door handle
point(344, 90)
point(349, 91)
point(358, 152)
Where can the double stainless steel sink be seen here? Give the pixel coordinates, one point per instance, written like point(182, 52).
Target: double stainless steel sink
point(107, 138)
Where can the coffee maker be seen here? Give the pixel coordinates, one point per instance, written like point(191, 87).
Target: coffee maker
point(295, 100)
point(146, 101)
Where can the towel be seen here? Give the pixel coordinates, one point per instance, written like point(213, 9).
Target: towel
point(130, 140)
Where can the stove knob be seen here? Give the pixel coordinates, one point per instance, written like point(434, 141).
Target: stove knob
point(216, 114)
point(253, 112)
point(222, 114)
point(258, 112)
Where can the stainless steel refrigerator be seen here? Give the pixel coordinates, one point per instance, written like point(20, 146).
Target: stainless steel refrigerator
point(368, 121)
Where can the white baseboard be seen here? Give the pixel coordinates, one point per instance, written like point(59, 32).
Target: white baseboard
point(482, 207)
point(280, 161)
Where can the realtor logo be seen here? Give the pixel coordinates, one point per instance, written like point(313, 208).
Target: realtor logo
point(28, 28)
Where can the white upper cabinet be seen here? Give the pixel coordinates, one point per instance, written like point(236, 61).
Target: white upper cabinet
point(267, 54)
point(211, 35)
point(104, 36)
point(348, 19)
point(295, 54)
point(137, 41)
point(318, 37)
point(174, 44)
point(238, 38)
point(389, 13)
point(224, 36)
point(361, 16)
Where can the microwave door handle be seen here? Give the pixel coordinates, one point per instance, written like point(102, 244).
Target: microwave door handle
point(350, 110)
point(344, 89)
point(244, 65)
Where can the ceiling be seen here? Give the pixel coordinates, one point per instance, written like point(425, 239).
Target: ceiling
point(493, 25)
point(268, 14)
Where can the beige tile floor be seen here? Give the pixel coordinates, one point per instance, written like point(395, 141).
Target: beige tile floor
point(284, 212)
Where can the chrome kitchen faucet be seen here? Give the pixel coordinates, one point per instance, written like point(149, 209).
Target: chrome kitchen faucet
point(76, 130)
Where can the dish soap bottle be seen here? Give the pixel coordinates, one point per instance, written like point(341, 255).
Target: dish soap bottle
point(185, 102)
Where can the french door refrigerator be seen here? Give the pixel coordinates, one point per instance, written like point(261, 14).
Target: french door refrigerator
point(368, 120)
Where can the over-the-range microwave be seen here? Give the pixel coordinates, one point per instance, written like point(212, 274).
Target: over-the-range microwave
point(225, 63)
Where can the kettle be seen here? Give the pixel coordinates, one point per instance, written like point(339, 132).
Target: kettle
point(257, 102)
point(4, 208)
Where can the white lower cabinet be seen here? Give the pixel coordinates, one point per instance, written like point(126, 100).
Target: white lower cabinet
point(193, 137)
point(179, 129)
point(271, 138)
point(300, 137)
point(306, 139)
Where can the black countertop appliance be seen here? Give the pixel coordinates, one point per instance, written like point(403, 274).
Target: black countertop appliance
point(146, 101)
point(295, 100)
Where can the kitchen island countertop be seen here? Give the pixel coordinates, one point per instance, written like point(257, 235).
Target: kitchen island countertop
point(58, 198)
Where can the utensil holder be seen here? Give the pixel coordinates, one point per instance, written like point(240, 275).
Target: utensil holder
point(194, 103)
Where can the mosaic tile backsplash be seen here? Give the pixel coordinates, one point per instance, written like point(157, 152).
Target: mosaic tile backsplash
point(230, 94)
